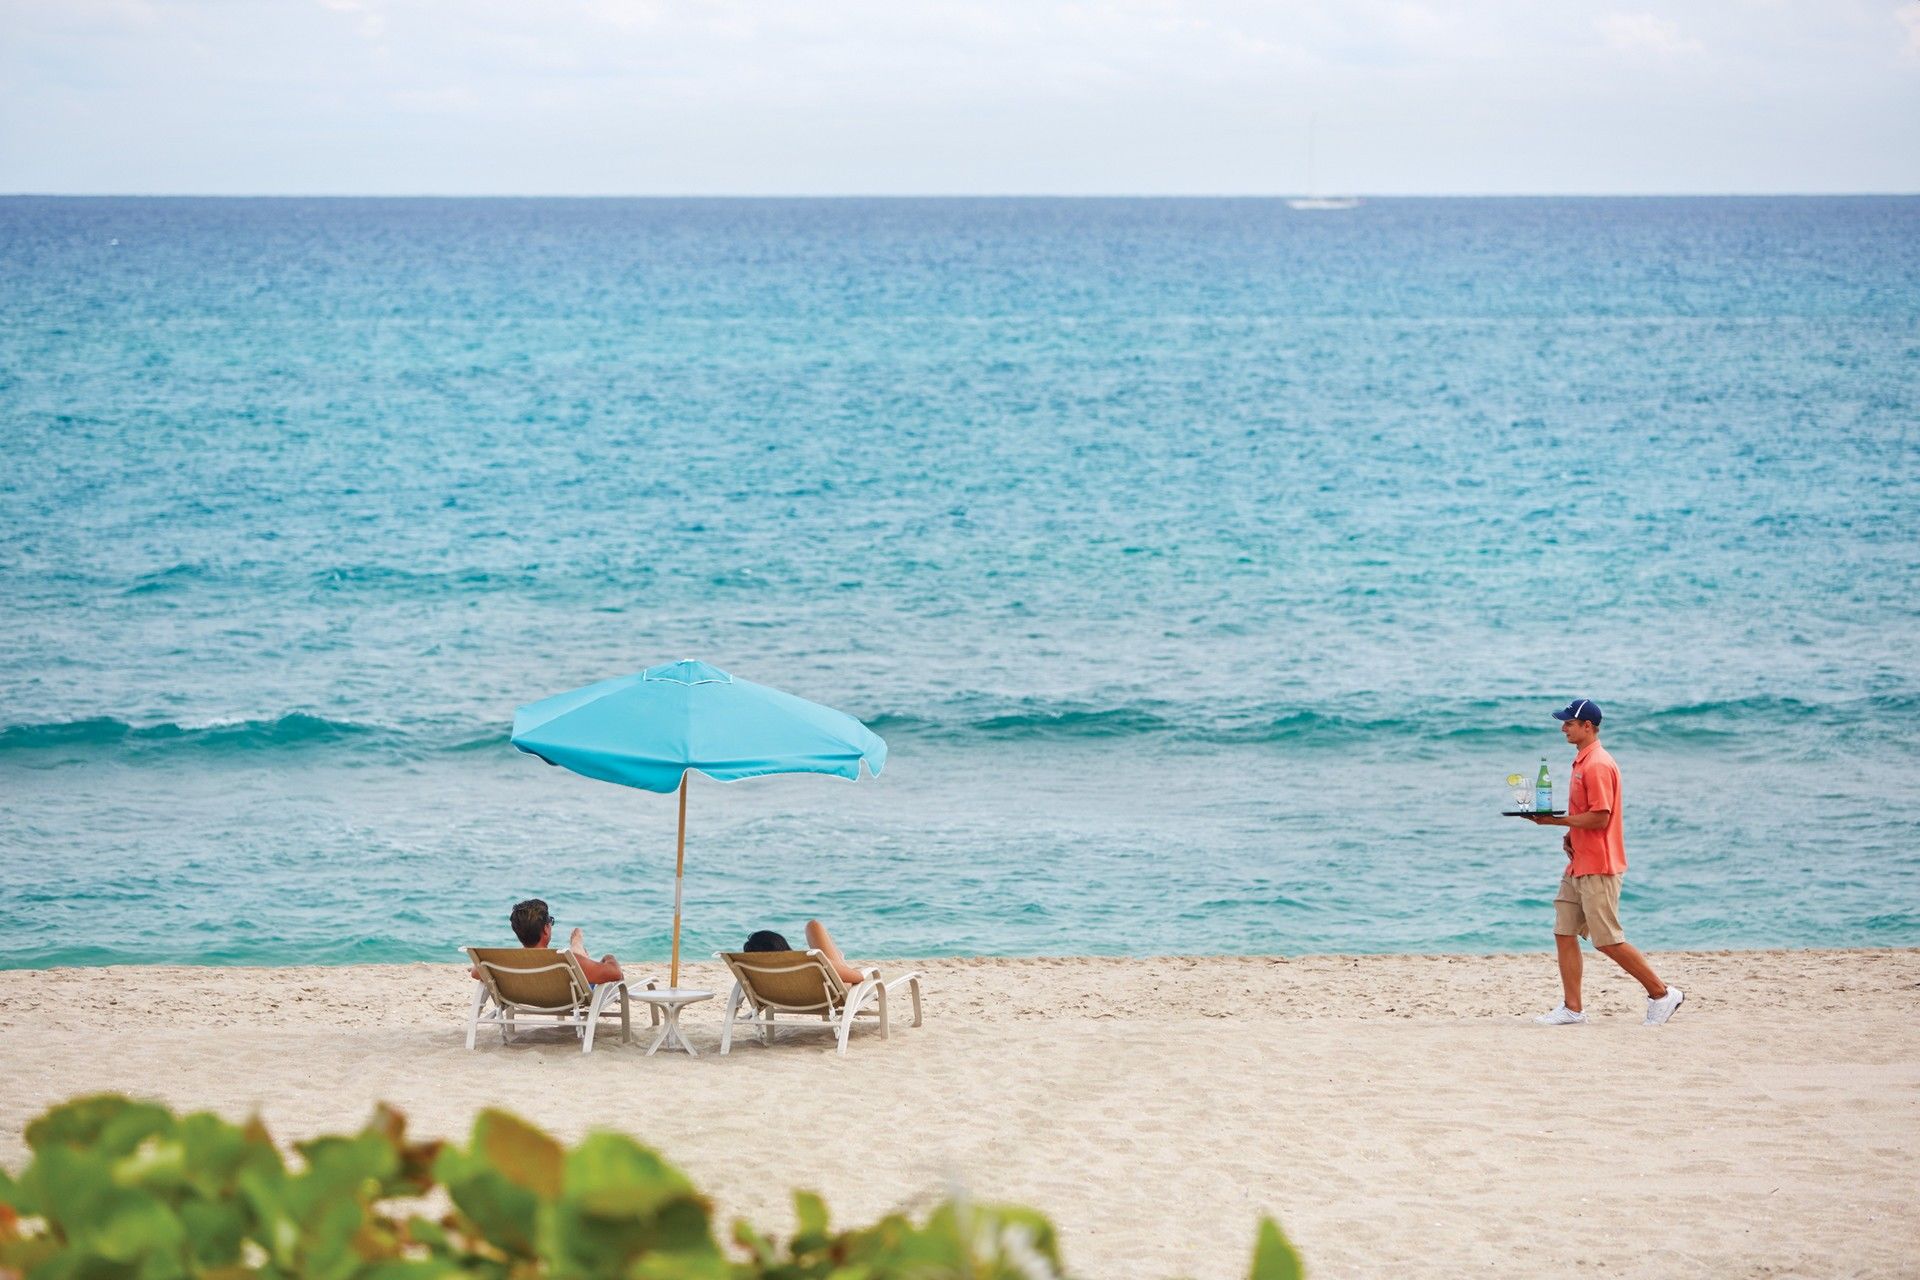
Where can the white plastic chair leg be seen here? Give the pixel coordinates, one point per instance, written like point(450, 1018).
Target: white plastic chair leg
point(733, 1010)
point(473, 1018)
point(850, 1011)
point(593, 1018)
point(912, 981)
point(846, 1026)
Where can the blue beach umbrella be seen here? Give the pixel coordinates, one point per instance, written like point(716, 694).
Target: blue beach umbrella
point(653, 729)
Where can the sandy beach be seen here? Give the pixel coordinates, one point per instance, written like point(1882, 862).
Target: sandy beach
point(1400, 1115)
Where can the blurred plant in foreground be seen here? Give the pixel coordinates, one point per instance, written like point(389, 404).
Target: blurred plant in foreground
point(124, 1190)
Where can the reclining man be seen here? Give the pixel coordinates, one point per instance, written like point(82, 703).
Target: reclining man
point(533, 925)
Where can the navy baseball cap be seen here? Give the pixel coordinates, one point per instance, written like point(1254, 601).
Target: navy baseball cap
point(1580, 709)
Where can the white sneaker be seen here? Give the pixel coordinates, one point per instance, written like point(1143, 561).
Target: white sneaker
point(1658, 1011)
point(1562, 1017)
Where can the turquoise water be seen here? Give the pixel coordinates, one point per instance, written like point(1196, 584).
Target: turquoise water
point(1207, 566)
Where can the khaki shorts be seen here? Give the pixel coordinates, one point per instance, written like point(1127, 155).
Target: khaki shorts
point(1589, 907)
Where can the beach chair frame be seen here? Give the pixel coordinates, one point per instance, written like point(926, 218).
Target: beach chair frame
point(581, 1008)
point(838, 1006)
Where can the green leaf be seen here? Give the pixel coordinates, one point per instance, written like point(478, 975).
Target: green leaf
point(84, 1121)
point(959, 1239)
point(426, 1269)
point(336, 1164)
point(676, 1244)
point(216, 1152)
point(415, 1174)
point(612, 1176)
point(68, 1184)
point(14, 1203)
point(895, 1245)
point(505, 1215)
point(215, 1228)
point(754, 1243)
point(35, 1257)
point(625, 1211)
point(139, 1123)
point(158, 1164)
point(255, 1131)
point(423, 1269)
point(810, 1214)
point(685, 1227)
point(329, 1236)
point(128, 1226)
point(522, 1154)
point(265, 1193)
point(680, 1266)
point(1033, 1226)
point(1273, 1256)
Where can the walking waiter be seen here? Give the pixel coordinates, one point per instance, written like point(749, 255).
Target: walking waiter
point(1588, 904)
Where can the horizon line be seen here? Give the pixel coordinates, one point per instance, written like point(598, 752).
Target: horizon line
point(936, 195)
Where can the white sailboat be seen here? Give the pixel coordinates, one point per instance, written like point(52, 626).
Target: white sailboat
point(1316, 202)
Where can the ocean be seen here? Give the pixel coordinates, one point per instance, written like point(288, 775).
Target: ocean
point(1207, 566)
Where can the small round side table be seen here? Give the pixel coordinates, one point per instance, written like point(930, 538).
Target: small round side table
point(671, 1002)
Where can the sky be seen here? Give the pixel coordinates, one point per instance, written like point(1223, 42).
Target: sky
point(905, 97)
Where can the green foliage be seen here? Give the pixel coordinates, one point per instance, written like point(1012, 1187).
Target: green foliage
point(124, 1190)
point(1273, 1257)
point(121, 1189)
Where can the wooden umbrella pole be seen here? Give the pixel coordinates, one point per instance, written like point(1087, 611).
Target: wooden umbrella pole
point(679, 870)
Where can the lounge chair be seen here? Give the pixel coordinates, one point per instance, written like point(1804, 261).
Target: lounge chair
point(770, 983)
point(534, 982)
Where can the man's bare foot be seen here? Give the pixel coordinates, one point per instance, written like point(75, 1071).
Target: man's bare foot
point(577, 941)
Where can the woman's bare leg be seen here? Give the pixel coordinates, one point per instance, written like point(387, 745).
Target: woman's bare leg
point(820, 940)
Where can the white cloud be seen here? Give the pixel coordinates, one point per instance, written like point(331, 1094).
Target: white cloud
point(1644, 33)
point(371, 24)
point(1908, 16)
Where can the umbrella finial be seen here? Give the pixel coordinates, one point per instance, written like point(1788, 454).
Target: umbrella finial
point(688, 671)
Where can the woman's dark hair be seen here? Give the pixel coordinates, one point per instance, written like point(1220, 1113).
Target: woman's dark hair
point(766, 940)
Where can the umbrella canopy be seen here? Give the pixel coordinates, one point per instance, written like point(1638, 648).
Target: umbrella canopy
point(647, 730)
point(652, 729)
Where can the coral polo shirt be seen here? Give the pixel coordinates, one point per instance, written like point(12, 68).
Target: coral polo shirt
point(1596, 785)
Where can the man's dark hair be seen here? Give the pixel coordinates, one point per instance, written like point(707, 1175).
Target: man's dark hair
point(766, 940)
point(530, 919)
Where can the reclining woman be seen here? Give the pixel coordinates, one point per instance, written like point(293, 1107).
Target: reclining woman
point(818, 939)
point(824, 983)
